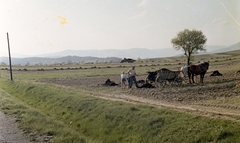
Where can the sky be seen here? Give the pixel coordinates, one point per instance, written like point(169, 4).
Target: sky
point(47, 26)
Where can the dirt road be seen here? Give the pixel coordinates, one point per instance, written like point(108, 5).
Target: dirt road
point(9, 133)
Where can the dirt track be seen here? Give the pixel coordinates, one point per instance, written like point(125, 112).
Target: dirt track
point(215, 98)
point(9, 133)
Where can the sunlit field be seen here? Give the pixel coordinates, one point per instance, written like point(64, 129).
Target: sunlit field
point(69, 103)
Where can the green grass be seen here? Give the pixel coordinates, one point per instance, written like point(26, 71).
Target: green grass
point(72, 116)
point(32, 120)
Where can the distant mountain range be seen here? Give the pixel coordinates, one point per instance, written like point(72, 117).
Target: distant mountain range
point(138, 52)
point(109, 55)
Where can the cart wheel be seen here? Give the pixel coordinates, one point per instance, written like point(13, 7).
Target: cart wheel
point(147, 79)
point(160, 82)
point(178, 80)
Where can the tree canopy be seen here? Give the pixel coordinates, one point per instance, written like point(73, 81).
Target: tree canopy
point(190, 41)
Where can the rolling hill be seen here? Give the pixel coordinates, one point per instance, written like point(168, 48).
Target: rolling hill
point(135, 53)
point(108, 55)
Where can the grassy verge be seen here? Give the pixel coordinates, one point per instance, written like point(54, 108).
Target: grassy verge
point(73, 116)
point(37, 123)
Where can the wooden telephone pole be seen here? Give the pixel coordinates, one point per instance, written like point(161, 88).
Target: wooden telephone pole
point(10, 63)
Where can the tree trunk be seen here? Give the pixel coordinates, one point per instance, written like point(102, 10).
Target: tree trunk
point(188, 60)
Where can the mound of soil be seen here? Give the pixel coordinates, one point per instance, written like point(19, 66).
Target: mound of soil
point(108, 82)
point(216, 73)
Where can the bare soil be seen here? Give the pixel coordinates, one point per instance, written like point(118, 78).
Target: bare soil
point(217, 97)
point(9, 133)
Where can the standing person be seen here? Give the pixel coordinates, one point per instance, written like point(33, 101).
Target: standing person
point(123, 80)
point(131, 75)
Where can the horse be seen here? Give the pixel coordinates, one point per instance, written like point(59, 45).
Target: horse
point(199, 69)
point(184, 70)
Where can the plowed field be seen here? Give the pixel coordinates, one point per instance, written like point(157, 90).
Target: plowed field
point(216, 97)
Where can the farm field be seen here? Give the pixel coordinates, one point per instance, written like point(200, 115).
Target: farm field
point(207, 112)
point(216, 97)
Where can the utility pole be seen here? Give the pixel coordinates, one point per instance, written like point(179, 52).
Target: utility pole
point(10, 63)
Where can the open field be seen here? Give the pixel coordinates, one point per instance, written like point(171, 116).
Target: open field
point(73, 97)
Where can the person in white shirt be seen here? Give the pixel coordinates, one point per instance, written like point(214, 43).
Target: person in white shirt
point(131, 75)
point(123, 80)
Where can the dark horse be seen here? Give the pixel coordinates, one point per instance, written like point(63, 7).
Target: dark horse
point(199, 69)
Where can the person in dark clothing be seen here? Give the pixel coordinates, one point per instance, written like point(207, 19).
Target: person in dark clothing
point(132, 77)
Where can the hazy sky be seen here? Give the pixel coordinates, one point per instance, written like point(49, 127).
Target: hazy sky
point(46, 26)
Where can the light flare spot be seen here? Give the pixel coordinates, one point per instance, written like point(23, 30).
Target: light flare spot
point(63, 20)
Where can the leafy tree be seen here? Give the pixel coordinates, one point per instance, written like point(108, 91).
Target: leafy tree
point(190, 42)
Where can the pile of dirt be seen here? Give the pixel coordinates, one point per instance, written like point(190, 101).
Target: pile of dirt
point(108, 82)
point(216, 73)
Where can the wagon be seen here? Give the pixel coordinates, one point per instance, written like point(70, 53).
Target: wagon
point(162, 76)
point(151, 77)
